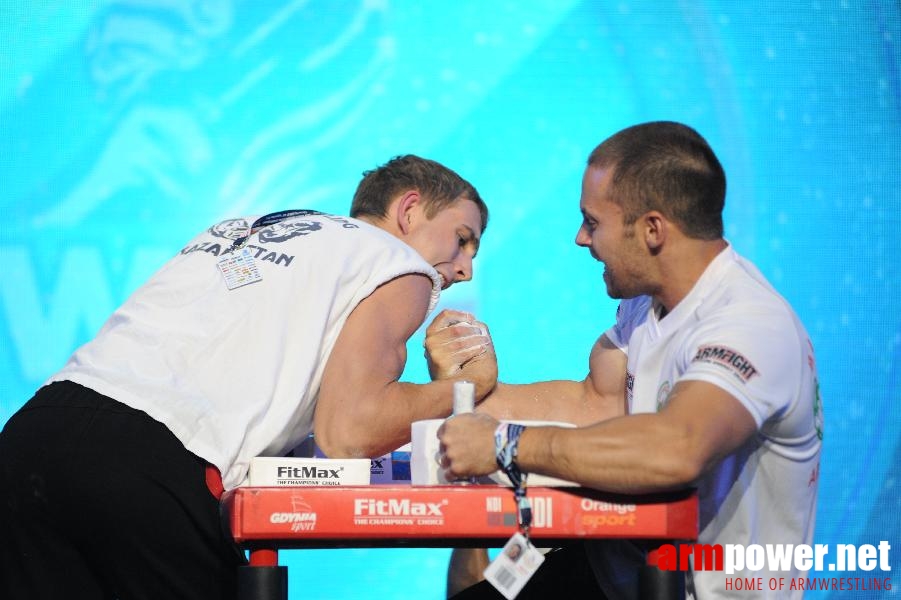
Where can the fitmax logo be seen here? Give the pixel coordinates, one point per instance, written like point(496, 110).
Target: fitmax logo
point(397, 508)
point(309, 473)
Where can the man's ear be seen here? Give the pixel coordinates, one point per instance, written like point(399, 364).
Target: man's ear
point(404, 214)
point(656, 228)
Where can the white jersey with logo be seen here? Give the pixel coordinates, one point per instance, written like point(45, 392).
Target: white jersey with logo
point(235, 373)
point(735, 331)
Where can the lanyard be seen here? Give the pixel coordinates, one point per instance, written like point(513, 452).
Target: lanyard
point(506, 441)
point(267, 220)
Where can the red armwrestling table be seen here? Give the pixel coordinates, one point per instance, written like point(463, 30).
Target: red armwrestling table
point(266, 519)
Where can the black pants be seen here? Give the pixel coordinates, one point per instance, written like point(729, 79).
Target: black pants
point(99, 501)
point(565, 573)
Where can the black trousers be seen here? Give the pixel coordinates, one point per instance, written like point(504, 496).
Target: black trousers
point(99, 501)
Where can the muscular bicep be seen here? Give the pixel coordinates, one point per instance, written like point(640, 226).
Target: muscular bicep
point(369, 355)
point(607, 378)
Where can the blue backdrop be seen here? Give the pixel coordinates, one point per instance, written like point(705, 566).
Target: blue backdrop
point(127, 126)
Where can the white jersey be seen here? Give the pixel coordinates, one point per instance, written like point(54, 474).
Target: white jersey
point(735, 331)
point(235, 373)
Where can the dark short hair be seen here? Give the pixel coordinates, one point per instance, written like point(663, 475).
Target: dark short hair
point(439, 186)
point(668, 167)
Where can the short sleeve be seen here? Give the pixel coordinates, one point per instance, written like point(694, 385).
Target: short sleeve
point(756, 358)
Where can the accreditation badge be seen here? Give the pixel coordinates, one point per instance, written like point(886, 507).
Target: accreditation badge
point(238, 268)
point(514, 566)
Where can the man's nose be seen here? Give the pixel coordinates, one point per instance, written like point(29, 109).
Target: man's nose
point(463, 268)
point(582, 237)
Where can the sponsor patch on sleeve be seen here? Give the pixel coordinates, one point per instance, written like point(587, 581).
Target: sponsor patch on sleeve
point(727, 358)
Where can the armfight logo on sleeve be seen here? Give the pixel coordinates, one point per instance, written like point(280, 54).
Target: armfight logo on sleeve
point(728, 358)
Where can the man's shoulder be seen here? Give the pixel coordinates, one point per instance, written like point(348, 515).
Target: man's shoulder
point(743, 309)
point(743, 288)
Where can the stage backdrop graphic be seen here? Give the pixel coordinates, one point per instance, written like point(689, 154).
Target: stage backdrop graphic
point(128, 126)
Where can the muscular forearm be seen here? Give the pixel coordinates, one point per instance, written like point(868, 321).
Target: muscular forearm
point(635, 454)
point(382, 422)
point(700, 424)
point(362, 408)
point(561, 400)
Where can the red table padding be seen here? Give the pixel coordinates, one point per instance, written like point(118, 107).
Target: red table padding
point(297, 517)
